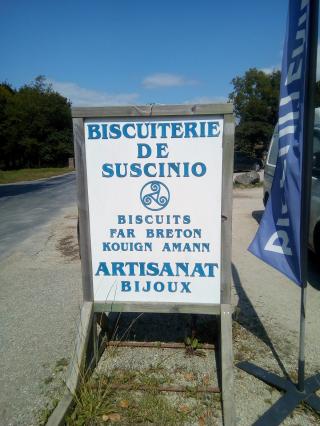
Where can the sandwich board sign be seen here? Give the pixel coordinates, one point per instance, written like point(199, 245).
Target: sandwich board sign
point(155, 200)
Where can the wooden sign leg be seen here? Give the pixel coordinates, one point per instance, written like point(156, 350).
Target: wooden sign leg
point(76, 368)
point(92, 353)
point(227, 379)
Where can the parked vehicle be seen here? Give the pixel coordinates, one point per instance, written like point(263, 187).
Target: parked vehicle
point(243, 162)
point(314, 230)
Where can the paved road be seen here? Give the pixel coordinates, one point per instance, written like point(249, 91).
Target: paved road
point(25, 206)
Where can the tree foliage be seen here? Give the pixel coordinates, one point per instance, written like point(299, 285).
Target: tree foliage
point(35, 126)
point(256, 100)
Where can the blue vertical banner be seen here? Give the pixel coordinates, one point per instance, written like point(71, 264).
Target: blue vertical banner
point(278, 239)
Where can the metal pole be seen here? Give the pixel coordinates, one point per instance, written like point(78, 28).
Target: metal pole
point(301, 361)
point(306, 178)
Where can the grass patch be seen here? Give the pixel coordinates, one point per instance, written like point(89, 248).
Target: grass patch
point(150, 378)
point(91, 405)
point(13, 176)
point(154, 409)
point(61, 364)
point(103, 406)
point(98, 403)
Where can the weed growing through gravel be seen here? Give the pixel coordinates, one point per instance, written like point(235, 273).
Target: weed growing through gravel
point(44, 415)
point(193, 347)
point(98, 402)
point(91, 404)
point(128, 393)
point(103, 405)
point(61, 364)
point(105, 398)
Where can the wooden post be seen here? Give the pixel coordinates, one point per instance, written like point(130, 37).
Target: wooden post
point(227, 379)
point(226, 347)
point(76, 367)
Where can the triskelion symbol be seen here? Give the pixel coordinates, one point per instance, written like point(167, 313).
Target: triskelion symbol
point(155, 195)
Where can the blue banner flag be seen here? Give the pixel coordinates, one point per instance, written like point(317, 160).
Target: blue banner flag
point(278, 239)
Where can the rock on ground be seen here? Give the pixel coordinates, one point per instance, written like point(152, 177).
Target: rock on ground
point(250, 178)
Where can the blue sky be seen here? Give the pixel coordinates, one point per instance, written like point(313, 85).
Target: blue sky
point(102, 52)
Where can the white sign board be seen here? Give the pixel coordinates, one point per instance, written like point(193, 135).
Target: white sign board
point(154, 191)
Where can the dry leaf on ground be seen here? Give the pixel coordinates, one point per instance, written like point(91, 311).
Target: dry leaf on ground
point(201, 421)
point(189, 376)
point(184, 409)
point(124, 403)
point(206, 379)
point(113, 417)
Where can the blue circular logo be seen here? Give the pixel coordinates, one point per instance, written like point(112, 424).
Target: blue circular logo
point(155, 195)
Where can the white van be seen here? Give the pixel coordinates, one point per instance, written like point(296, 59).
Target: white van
point(314, 230)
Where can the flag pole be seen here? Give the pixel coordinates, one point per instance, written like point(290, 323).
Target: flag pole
point(301, 361)
point(306, 180)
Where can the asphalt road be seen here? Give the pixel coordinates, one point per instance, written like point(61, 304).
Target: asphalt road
point(26, 206)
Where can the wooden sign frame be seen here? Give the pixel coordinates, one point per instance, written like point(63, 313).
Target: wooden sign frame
point(87, 341)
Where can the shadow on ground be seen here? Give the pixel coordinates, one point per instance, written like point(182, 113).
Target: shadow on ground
point(314, 271)
point(162, 327)
point(24, 188)
point(257, 215)
point(248, 318)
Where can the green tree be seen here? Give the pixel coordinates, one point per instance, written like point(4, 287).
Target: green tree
point(256, 100)
point(35, 126)
point(6, 97)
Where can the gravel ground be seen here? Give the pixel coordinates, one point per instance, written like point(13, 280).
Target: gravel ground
point(268, 317)
point(40, 298)
point(45, 272)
